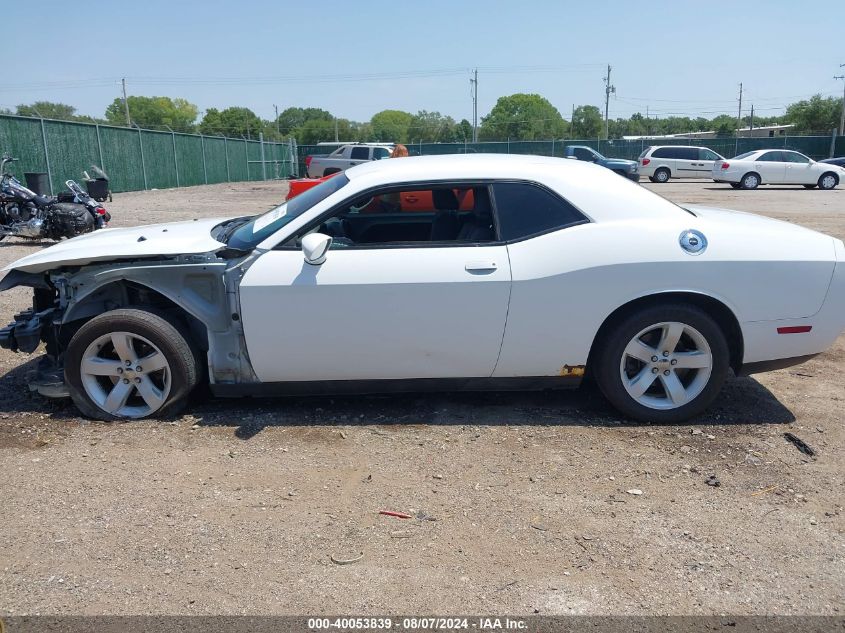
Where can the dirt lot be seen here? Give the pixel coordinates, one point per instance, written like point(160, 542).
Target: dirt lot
point(520, 499)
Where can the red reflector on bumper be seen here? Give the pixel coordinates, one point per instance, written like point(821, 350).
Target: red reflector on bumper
point(795, 329)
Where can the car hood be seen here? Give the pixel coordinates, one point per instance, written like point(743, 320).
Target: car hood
point(619, 162)
point(173, 238)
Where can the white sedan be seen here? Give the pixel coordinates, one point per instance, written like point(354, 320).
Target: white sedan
point(505, 272)
point(776, 167)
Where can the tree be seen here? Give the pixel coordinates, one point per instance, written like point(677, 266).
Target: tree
point(463, 132)
point(587, 122)
point(233, 121)
point(724, 125)
point(178, 114)
point(816, 115)
point(391, 126)
point(522, 117)
point(431, 127)
point(49, 110)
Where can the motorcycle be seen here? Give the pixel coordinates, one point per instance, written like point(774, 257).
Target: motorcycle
point(23, 213)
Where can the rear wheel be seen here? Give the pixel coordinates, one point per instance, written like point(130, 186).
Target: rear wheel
point(750, 181)
point(828, 180)
point(662, 175)
point(663, 364)
point(130, 364)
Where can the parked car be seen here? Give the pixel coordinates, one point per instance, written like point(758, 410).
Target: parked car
point(776, 167)
point(663, 162)
point(559, 268)
point(839, 162)
point(626, 168)
point(317, 166)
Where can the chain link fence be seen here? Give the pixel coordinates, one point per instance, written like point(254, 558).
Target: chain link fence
point(816, 147)
point(137, 159)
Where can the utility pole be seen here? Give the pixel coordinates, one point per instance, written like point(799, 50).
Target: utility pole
point(608, 89)
point(278, 128)
point(842, 116)
point(335, 130)
point(751, 123)
point(647, 123)
point(474, 83)
point(126, 102)
point(738, 122)
point(572, 123)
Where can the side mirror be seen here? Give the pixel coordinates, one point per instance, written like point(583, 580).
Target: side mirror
point(314, 248)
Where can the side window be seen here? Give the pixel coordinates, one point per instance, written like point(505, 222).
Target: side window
point(795, 157)
point(707, 154)
point(380, 152)
point(581, 153)
point(772, 157)
point(525, 209)
point(687, 153)
point(360, 153)
point(663, 152)
point(411, 216)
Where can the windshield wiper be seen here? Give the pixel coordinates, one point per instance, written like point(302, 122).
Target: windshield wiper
point(228, 228)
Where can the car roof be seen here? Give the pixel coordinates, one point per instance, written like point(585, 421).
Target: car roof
point(595, 190)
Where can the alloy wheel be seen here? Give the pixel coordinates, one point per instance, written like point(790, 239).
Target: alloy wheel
point(666, 365)
point(125, 375)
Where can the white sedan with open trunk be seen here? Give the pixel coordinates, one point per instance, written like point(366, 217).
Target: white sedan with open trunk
point(452, 272)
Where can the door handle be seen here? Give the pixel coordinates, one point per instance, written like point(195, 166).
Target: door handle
point(480, 267)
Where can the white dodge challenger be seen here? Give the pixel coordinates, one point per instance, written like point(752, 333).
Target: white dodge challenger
point(459, 272)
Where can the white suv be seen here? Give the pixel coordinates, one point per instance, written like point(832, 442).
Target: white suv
point(662, 162)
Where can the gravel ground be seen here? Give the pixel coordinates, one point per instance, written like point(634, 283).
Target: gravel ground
point(521, 502)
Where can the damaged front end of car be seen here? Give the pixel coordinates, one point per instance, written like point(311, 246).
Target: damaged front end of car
point(41, 322)
point(197, 291)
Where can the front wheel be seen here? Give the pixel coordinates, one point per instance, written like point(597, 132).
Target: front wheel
point(662, 175)
point(663, 364)
point(130, 364)
point(828, 181)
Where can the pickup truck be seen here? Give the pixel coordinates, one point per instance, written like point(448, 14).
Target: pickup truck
point(345, 157)
point(627, 168)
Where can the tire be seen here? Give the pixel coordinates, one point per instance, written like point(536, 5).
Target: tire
point(828, 180)
point(662, 175)
point(750, 181)
point(652, 179)
point(810, 186)
point(330, 171)
point(701, 344)
point(102, 381)
point(735, 185)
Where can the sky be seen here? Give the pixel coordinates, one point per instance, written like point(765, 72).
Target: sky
point(357, 58)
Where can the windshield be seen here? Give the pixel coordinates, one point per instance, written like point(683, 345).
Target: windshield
point(261, 227)
point(745, 155)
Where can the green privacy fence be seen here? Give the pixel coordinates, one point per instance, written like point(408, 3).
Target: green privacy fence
point(816, 147)
point(137, 159)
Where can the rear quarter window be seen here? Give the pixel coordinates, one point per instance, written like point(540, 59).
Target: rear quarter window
point(527, 209)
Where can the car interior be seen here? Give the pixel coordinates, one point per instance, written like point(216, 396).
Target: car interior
point(431, 215)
